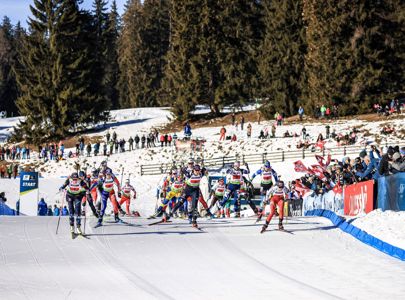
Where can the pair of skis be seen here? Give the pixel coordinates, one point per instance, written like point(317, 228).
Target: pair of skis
point(165, 221)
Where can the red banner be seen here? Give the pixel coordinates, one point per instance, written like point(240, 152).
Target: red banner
point(359, 198)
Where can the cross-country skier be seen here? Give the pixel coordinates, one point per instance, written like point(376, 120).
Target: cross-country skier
point(191, 192)
point(87, 197)
point(268, 178)
point(234, 180)
point(217, 194)
point(106, 188)
point(74, 187)
point(126, 195)
point(276, 195)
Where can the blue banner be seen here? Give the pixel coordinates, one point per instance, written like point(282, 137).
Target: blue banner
point(391, 192)
point(28, 182)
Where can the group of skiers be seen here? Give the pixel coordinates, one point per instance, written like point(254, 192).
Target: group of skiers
point(81, 188)
point(181, 192)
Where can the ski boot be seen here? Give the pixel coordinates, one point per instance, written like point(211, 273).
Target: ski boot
point(209, 215)
point(280, 225)
point(264, 227)
point(79, 230)
point(166, 217)
point(72, 231)
point(117, 219)
point(99, 223)
point(194, 224)
point(122, 212)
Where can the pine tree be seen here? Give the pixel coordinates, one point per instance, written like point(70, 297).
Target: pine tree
point(54, 73)
point(282, 56)
point(9, 40)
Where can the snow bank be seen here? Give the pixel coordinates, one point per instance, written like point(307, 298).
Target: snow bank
point(388, 226)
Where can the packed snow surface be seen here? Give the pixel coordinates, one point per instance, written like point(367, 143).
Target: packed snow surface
point(229, 259)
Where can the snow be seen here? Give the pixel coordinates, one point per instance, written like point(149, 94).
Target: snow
point(229, 260)
point(388, 226)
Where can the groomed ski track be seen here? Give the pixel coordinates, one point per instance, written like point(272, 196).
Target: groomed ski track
point(229, 259)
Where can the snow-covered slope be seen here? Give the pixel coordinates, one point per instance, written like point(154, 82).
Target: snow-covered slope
point(228, 260)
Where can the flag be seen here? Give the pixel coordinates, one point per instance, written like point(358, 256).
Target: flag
point(320, 160)
point(300, 167)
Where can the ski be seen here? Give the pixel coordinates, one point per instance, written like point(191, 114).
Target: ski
point(98, 225)
point(83, 236)
point(151, 217)
point(73, 235)
point(198, 228)
point(159, 222)
point(286, 231)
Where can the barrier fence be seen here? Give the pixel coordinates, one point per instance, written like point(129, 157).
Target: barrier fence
point(257, 158)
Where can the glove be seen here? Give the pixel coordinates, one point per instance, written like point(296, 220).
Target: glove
point(119, 194)
point(84, 203)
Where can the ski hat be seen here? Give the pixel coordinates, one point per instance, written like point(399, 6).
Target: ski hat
point(82, 174)
point(197, 168)
point(267, 164)
point(363, 153)
point(74, 175)
point(127, 180)
point(280, 183)
point(236, 164)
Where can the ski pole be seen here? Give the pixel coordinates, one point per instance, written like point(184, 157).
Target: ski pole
point(85, 214)
point(60, 212)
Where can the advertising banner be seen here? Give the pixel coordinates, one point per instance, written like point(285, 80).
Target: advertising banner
point(359, 198)
point(332, 200)
point(29, 193)
point(391, 192)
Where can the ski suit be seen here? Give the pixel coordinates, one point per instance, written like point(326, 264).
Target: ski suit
point(106, 188)
point(88, 197)
point(126, 196)
point(267, 176)
point(74, 194)
point(218, 191)
point(277, 196)
point(190, 193)
point(234, 180)
point(173, 193)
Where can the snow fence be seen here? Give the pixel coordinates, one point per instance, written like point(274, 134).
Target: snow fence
point(359, 234)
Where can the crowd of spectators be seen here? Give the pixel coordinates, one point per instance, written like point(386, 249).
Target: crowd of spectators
point(370, 164)
point(47, 210)
point(15, 152)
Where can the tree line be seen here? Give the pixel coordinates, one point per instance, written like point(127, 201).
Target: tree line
point(72, 65)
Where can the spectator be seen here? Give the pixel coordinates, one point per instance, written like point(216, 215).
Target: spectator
point(249, 130)
point(273, 130)
point(233, 139)
point(114, 136)
point(15, 171)
point(50, 212)
point(323, 110)
point(2, 171)
point(56, 210)
point(105, 149)
point(42, 207)
point(242, 122)
point(384, 166)
point(108, 136)
point(328, 113)
point(162, 140)
point(111, 146)
point(301, 113)
point(88, 149)
point(143, 139)
point(166, 137)
point(335, 111)
point(137, 139)
point(327, 131)
point(65, 211)
point(398, 163)
point(169, 139)
point(261, 135)
point(131, 143)
point(233, 119)
point(187, 131)
point(304, 132)
point(3, 198)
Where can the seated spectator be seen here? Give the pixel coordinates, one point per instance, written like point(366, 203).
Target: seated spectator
point(50, 212)
point(42, 207)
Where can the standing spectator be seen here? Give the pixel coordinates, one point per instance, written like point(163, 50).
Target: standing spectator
point(42, 207)
point(222, 133)
point(56, 210)
point(317, 112)
point(65, 211)
point(152, 139)
point(62, 150)
point(233, 139)
point(174, 137)
point(166, 137)
point(131, 143)
point(162, 140)
point(148, 141)
point(116, 145)
point(187, 131)
point(15, 171)
point(111, 147)
point(49, 212)
point(335, 111)
point(137, 139)
point(169, 139)
point(88, 149)
point(105, 149)
point(304, 132)
point(233, 118)
point(236, 125)
point(9, 170)
point(273, 130)
point(259, 116)
point(279, 119)
point(249, 131)
point(2, 171)
point(28, 153)
point(301, 113)
point(108, 136)
point(323, 110)
point(114, 136)
point(328, 113)
point(143, 139)
point(82, 147)
point(327, 131)
point(242, 122)
point(77, 149)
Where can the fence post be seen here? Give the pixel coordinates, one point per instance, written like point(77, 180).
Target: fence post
point(303, 152)
point(141, 170)
point(282, 155)
point(243, 158)
point(344, 150)
point(263, 157)
point(223, 161)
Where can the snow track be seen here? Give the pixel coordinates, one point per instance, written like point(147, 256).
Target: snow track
point(228, 260)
